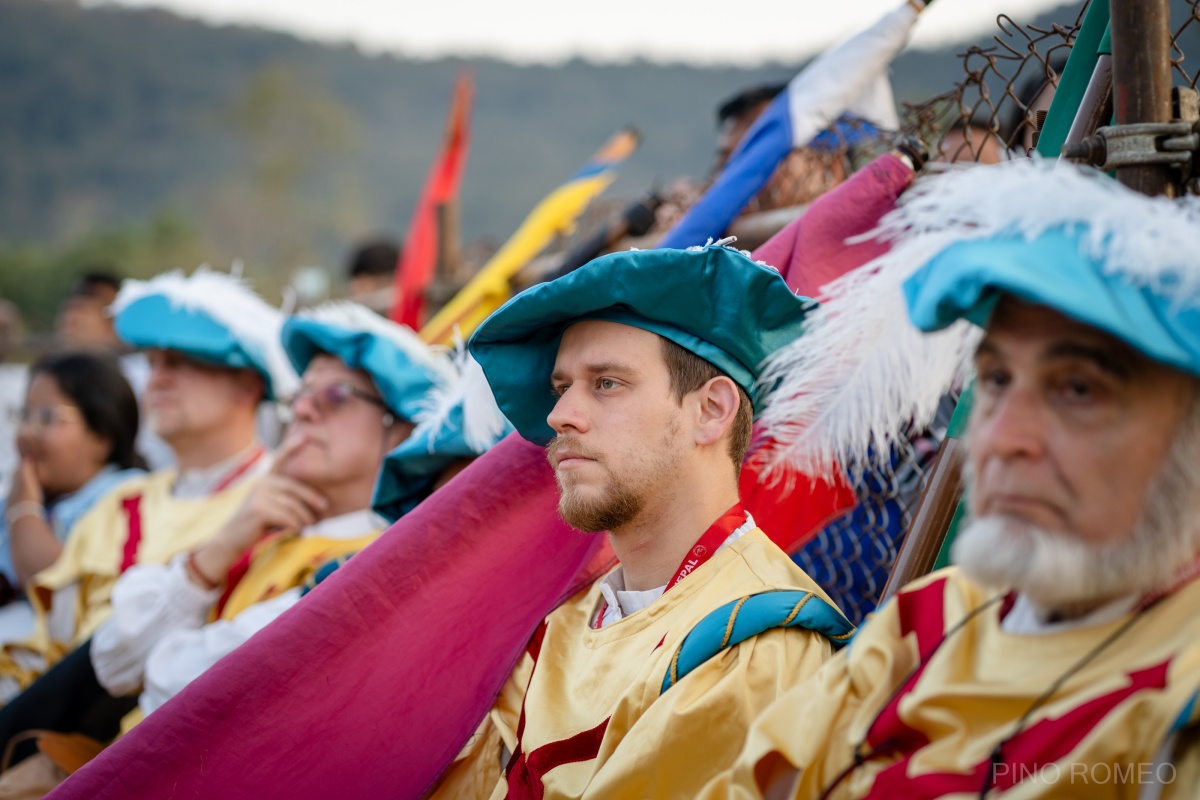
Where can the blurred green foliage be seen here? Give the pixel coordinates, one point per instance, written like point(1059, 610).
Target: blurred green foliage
point(36, 278)
point(285, 153)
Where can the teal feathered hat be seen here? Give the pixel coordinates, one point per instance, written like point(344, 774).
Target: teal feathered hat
point(891, 338)
point(209, 316)
point(713, 301)
point(403, 368)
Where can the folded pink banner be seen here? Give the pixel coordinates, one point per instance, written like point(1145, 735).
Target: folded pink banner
point(369, 686)
point(812, 250)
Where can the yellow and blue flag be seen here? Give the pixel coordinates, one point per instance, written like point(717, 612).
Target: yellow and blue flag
point(554, 215)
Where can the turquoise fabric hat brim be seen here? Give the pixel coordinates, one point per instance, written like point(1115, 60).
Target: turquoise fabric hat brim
point(155, 321)
point(966, 279)
point(402, 382)
point(714, 302)
point(411, 468)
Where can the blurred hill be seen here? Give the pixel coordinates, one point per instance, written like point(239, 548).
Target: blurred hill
point(251, 143)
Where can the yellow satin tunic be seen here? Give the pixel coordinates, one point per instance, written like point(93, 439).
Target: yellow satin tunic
point(96, 548)
point(597, 720)
point(1100, 735)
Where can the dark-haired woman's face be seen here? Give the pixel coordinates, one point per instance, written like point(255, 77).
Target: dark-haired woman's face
point(64, 452)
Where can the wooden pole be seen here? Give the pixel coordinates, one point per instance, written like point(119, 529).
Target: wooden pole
point(938, 503)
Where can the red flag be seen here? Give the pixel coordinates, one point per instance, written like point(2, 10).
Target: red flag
point(415, 269)
point(792, 508)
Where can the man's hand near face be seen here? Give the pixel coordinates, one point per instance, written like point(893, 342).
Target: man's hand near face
point(277, 503)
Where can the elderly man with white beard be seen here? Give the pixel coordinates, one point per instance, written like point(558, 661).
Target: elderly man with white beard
point(1060, 656)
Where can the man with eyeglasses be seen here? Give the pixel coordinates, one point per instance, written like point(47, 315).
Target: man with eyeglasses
point(1060, 656)
point(364, 381)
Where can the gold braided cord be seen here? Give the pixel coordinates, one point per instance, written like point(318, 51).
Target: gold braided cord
point(675, 664)
point(796, 609)
point(732, 619)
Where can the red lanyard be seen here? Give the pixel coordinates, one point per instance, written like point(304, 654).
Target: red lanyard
point(710, 542)
point(242, 469)
point(702, 550)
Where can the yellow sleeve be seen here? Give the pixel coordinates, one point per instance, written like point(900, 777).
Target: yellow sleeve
point(99, 530)
point(478, 767)
point(66, 568)
point(93, 544)
point(697, 727)
point(95, 594)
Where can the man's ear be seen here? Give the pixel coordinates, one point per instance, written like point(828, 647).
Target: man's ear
point(397, 432)
point(718, 405)
point(252, 386)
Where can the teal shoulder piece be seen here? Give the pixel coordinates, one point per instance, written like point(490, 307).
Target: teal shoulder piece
point(1187, 716)
point(735, 622)
point(322, 572)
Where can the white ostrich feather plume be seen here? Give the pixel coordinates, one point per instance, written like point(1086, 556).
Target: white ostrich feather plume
point(483, 423)
point(862, 375)
point(355, 317)
point(230, 301)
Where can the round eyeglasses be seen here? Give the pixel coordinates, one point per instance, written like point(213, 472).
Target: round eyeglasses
point(328, 399)
point(43, 417)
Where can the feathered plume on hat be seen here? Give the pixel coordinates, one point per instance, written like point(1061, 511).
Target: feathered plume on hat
point(483, 424)
point(457, 420)
point(210, 315)
point(863, 373)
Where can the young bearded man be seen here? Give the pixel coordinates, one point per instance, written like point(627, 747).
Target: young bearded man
point(1059, 657)
point(637, 372)
point(363, 381)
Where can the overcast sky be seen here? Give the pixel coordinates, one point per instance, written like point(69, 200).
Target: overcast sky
point(743, 32)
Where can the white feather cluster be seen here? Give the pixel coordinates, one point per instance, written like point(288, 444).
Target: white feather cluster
point(483, 422)
point(231, 302)
point(355, 317)
point(862, 374)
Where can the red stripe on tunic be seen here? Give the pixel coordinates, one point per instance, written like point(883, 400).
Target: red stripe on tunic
point(922, 612)
point(133, 515)
point(1043, 743)
point(526, 773)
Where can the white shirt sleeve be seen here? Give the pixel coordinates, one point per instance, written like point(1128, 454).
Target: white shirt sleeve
point(150, 601)
point(182, 655)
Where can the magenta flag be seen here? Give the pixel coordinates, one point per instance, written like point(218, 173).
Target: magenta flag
point(812, 250)
point(369, 686)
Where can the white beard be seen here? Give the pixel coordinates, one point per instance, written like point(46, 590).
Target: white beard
point(1058, 570)
point(1055, 570)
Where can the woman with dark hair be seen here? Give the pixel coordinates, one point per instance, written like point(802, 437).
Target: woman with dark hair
point(76, 441)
